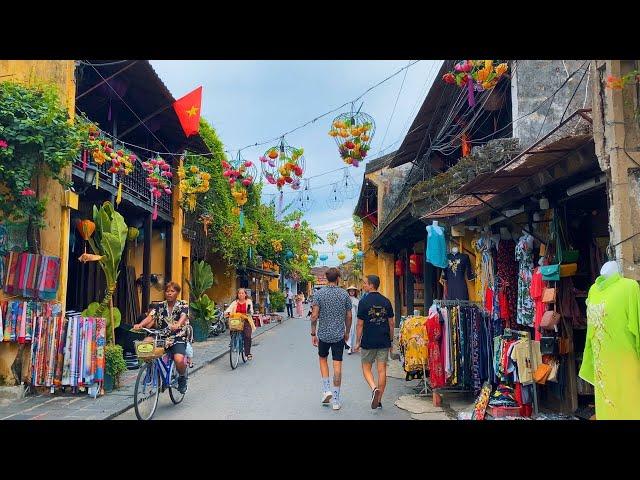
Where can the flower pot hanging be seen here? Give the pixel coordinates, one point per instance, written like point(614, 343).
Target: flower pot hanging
point(159, 180)
point(282, 165)
point(241, 175)
point(476, 76)
point(192, 182)
point(353, 132)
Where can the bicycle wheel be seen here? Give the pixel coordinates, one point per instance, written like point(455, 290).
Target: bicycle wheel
point(174, 393)
point(234, 351)
point(147, 391)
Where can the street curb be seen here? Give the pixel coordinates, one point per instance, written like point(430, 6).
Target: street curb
point(195, 369)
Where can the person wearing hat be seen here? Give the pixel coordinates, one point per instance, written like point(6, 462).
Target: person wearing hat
point(353, 295)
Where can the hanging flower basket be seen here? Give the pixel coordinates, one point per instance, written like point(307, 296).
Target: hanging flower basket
point(282, 165)
point(192, 182)
point(353, 133)
point(476, 76)
point(159, 180)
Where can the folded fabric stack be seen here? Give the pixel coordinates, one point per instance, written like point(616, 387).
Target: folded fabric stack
point(32, 275)
point(503, 396)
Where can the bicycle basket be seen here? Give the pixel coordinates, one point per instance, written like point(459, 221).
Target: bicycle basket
point(236, 323)
point(148, 350)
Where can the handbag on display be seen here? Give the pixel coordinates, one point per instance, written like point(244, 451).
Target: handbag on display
point(549, 345)
point(568, 269)
point(549, 295)
point(551, 273)
point(553, 375)
point(542, 373)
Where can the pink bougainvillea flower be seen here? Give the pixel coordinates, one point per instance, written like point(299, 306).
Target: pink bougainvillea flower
point(3, 144)
point(27, 192)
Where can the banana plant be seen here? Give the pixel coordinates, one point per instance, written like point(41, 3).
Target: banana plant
point(108, 243)
point(202, 279)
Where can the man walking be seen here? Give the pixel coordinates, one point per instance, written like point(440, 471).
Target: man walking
point(374, 334)
point(289, 301)
point(330, 325)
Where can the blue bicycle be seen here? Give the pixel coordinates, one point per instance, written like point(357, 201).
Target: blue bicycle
point(154, 377)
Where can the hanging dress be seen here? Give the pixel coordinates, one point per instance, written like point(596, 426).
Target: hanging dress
point(436, 364)
point(525, 310)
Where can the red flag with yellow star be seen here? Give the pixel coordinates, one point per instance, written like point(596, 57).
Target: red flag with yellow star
point(188, 110)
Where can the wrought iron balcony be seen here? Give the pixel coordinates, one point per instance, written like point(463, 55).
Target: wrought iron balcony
point(135, 188)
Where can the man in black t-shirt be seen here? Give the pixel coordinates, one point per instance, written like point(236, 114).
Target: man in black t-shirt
point(374, 334)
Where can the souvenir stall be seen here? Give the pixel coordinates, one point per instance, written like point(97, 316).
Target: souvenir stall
point(54, 351)
point(533, 256)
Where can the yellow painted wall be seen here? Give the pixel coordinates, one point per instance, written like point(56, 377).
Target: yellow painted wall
point(226, 276)
point(181, 261)
point(158, 254)
point(57, 217)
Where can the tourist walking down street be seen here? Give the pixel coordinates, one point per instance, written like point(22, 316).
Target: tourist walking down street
point(375, 328)
point(243, 304)
point(288, 298)
point(353, 295)
point(299, 306)
point(330, 326)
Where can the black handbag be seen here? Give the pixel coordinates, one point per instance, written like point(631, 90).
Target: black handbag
point(549, 345)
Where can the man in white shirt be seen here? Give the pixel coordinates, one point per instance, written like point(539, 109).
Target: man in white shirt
point(289, 301)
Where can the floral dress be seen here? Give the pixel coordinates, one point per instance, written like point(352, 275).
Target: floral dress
point(525, 307)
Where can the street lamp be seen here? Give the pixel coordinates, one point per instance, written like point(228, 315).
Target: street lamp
point(89, 177)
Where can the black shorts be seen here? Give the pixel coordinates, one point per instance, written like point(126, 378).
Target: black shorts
point(337, 349)
point(179, 347)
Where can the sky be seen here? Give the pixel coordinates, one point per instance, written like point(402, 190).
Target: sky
point(250, 101)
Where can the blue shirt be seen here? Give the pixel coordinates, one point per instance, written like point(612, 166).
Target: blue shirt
point(436, 248)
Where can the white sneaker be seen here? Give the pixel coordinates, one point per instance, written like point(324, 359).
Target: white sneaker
point(326, 398)
point(335, 405)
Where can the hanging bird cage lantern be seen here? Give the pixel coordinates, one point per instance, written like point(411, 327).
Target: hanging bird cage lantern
point(353, 132)
point(283, 164)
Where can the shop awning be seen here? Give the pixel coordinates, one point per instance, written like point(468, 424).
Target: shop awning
point(534, 160)
point(261, 271)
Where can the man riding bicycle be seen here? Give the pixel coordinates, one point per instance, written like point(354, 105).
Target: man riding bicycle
point(174, 315)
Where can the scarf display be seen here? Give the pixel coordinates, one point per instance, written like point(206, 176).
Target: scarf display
point(67, 351)
point(31, 275)
point(17, 319)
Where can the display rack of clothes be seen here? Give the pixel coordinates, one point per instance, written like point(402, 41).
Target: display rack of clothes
point(515, 360)
point(32, 275)
point(463, 345)
point(68, 351)
point(18, 317)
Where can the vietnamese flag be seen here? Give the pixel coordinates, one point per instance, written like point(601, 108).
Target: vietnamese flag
point(188, 110)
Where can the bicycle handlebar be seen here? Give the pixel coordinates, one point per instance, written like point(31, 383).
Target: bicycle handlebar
point(161, 332)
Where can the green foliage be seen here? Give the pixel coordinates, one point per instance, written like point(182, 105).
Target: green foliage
point(108, 241)
point(40, 139)
point(114, 362)
point(201, 279)
point(277, 300)
point(96, 309)
point(261, 224)
point(203, 311)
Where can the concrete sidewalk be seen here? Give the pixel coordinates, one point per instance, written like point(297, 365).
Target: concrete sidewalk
point(63, 406)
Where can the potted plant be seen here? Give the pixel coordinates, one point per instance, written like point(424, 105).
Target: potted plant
point(114, 366)
point(201, 306)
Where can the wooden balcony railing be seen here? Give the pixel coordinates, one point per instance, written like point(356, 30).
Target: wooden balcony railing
point(134, 185)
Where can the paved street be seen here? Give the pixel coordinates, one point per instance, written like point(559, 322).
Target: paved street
point(282, 382)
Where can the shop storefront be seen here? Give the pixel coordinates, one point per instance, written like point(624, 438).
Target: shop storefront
point(520, 248)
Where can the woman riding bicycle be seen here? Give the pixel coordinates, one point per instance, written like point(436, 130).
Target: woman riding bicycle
point(242, 304)
point(171, 313)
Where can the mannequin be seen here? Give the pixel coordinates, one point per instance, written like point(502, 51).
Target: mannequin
point(458, 267)
point(436, 248)
point(611, 358)
point(609, 268)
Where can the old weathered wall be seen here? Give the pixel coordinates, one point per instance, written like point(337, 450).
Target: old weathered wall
point(617, 141)
point(532, 87)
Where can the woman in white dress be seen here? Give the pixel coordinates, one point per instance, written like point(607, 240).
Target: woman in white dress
point(353, 294)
